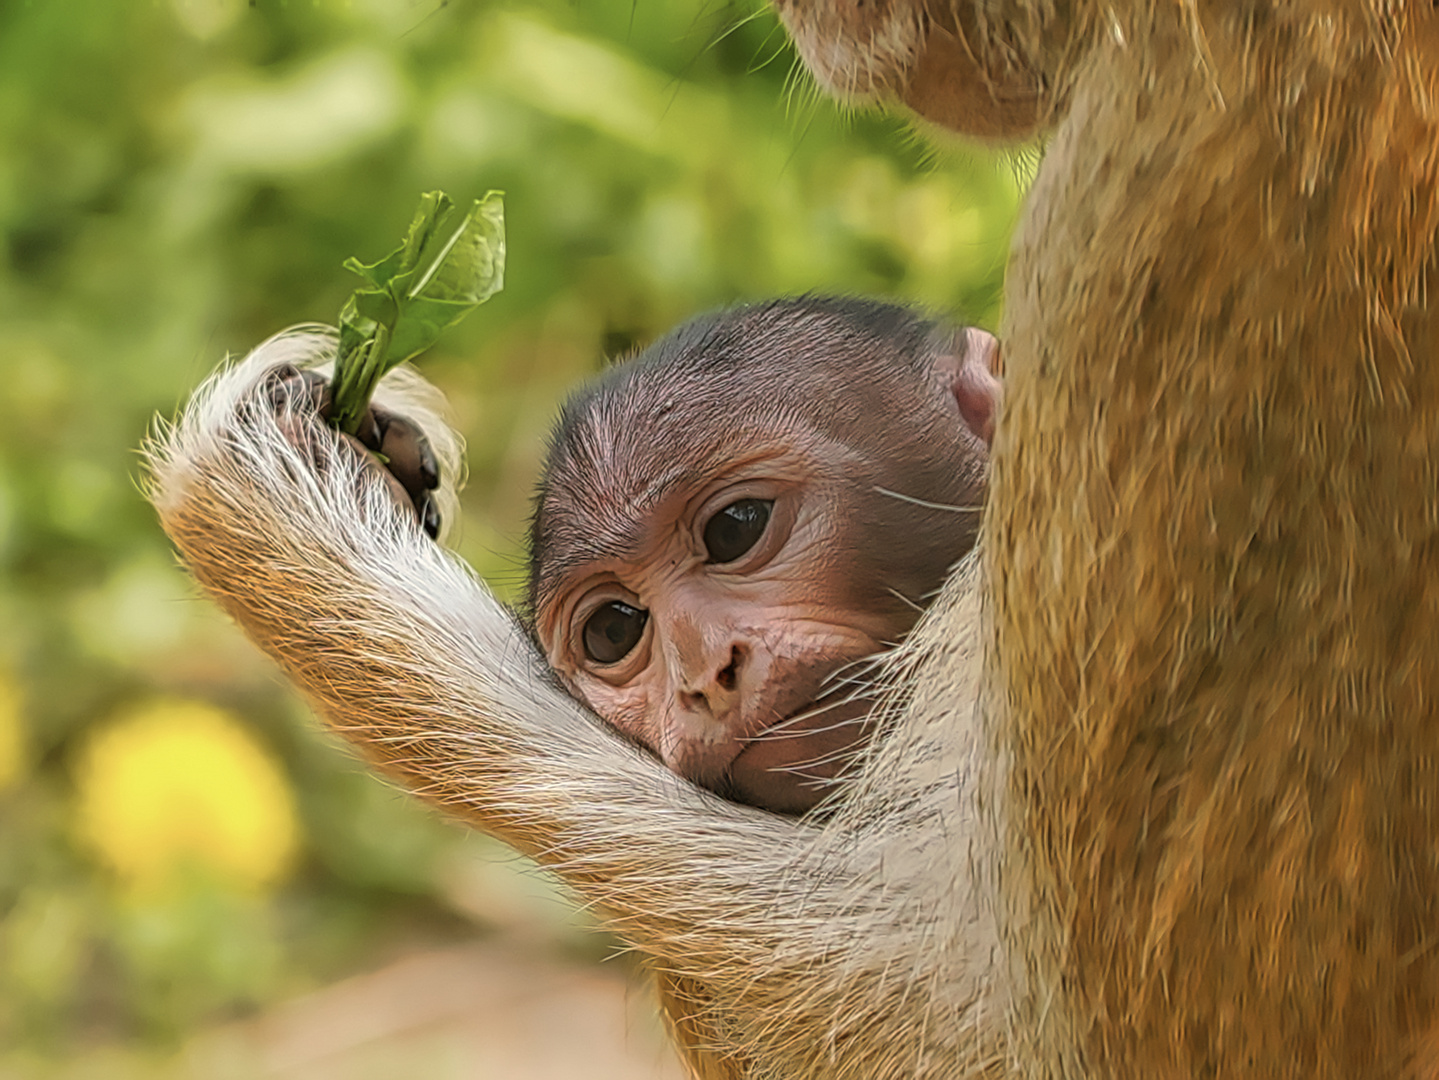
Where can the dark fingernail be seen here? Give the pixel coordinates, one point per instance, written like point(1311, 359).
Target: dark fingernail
point(429, 517)
point(429, 467)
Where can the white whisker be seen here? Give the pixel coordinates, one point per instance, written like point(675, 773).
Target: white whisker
point(927, 504)
point(780, 730)
point(834, 757)
point(906, 600)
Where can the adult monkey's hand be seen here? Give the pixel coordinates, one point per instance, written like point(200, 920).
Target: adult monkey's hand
point(393, 446)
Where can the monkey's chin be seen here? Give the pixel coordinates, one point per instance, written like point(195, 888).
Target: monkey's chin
point(792, 767)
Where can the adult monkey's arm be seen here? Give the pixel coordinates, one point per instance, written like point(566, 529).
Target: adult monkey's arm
point(750, 919)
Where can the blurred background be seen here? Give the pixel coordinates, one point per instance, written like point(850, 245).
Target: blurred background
point(194, 881)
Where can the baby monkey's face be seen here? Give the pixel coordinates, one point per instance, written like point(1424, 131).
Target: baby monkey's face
point(734, 524)
point(724, 640)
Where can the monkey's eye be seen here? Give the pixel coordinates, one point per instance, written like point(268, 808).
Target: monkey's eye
point(736, 529)
point(613, 630)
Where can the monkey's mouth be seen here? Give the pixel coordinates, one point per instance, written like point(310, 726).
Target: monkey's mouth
point(792, 766)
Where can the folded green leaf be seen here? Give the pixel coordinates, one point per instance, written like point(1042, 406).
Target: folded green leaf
point(440, 273)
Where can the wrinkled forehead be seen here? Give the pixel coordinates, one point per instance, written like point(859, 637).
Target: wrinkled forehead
point(706, 402)
point(628, 460)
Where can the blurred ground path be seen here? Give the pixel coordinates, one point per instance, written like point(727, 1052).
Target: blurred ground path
point(465, 1013)
point(468, 1012)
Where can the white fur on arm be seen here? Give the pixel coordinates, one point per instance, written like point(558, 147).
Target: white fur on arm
point(410, 658)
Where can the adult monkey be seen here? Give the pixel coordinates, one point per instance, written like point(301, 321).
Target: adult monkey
point(1213, 543)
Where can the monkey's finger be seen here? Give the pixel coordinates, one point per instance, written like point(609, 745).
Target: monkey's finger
point(429, 512)
point(289, 386)
point(409, 454)
point(290, 390)
point(279, 382)
point(371, 431)
point(294, 397)
point(410, 469)
point(398, 494)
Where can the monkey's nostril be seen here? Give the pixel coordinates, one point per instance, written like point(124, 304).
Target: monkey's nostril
point(729, 676)
point(713, 695)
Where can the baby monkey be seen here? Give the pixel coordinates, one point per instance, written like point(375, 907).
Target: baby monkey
point(733, 522)
point(730, 524)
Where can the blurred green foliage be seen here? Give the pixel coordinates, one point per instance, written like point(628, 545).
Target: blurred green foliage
point(182, 178)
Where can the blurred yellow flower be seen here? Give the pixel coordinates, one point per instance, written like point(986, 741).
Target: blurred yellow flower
point(179, 783)
point(12, 730)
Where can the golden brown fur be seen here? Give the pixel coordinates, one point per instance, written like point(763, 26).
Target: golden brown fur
point(1223, 715)
point(1195, 830)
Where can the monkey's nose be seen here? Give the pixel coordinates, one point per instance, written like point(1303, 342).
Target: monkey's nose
point(717, 691)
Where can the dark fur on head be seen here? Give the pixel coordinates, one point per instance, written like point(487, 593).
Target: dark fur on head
point(844, 367)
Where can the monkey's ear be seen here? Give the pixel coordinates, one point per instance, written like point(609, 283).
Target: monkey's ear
point(971, 367)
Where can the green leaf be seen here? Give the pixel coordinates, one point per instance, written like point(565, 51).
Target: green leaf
point(434, 207)
point(441, 272)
